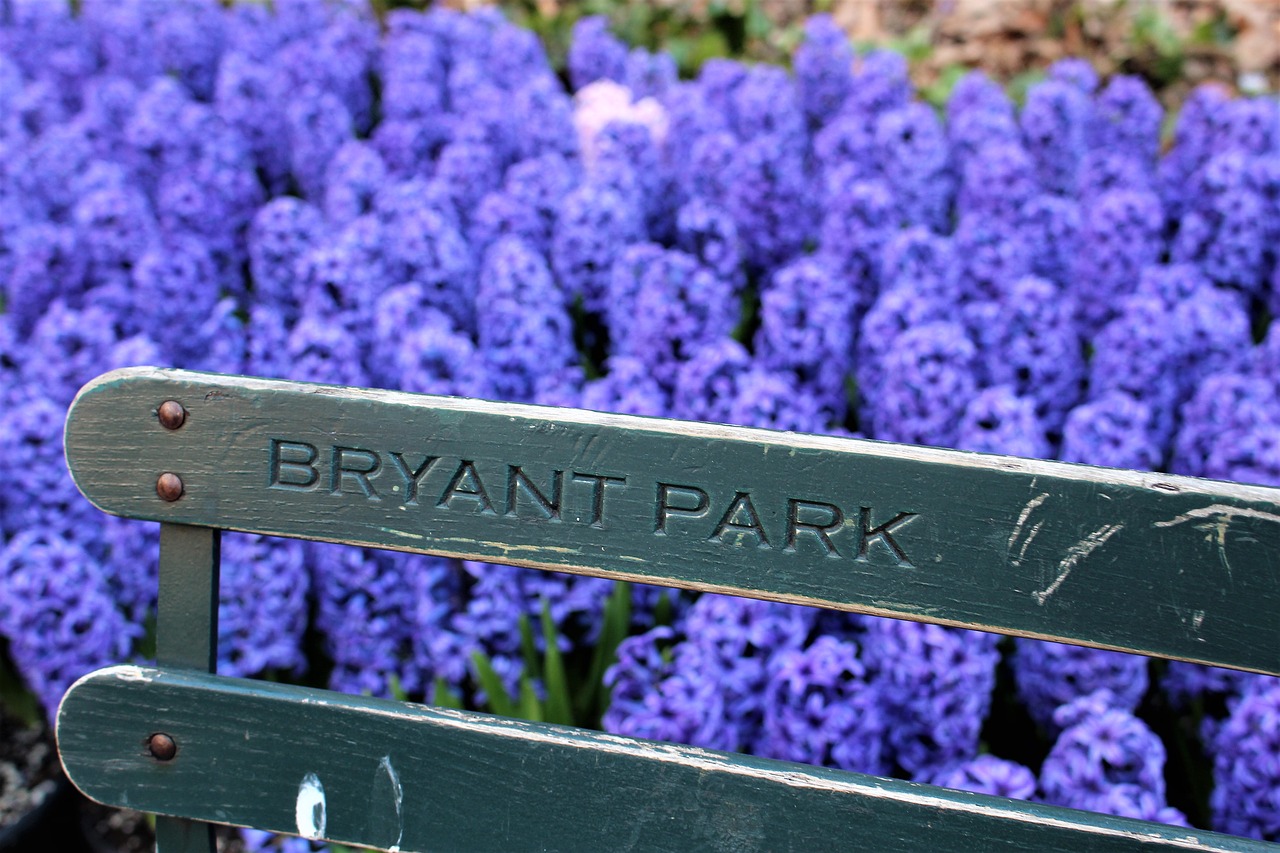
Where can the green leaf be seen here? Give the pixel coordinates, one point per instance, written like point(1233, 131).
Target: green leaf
point(559, 707)
point(499, 701)
point(530, 708)
point(444, 697)
point(529, 647)
point(594, 699)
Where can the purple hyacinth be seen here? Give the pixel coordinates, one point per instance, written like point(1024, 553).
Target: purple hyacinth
point(1126, 120)
point(1139, 354)
point(1051, 226)
point(766, 103)
point(770, 400)
point(353, 177)
point(928, 378)
point(987, 774)
point(918, 260)
point(705, 230)
point(527, 329)
point(1119, 235)
point(769, 198)
point(1049, 675)
point(250, 97)
point(708, 383)
point(806, 331)
point(824, 69)
point(1229, 430)
point(595, 53)
point(849, 141)
point(262, 609)
point(679, 306)
point(896, 311)
point(999, 421)
point(820, 708)
point(423, 247)
point(935, 688)
point(992, 255)
point(881, 82)
point(1106, 760)
point(1055, 123)
point(1034, 346)
point(323, 349)
point(858, 218)
point(527, 205)
point(1113, 430)
point(628, 388)
point(435, 358)
point(593, 225)
point(998, 180)
point(661, 694)
point(282, 233)
point(912, 155)
point(47, 264)
point(1245, 774)
point(732, 644)
point(501, 596)
point(318, 125)
point(365, 613)
point(58, 614)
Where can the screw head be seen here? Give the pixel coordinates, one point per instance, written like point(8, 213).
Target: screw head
point(162, 747)
point(169, 487)
point(172, 415)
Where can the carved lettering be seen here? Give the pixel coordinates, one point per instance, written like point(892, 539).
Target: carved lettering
point(518, 480)
point(666, 509)
point(834, 521)
point(412, 476)
point(291, 465)
point(357, 464)
point(466, 483)
point(882, 533)
point(741, 515)
point(600, 483)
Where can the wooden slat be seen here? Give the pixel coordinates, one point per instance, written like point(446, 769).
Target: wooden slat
point(395, 775)
point(1162, 565)
point(187, 636)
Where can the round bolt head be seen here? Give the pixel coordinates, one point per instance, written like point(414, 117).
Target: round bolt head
point(169, 487)
point(162, 747)
point(172, 415)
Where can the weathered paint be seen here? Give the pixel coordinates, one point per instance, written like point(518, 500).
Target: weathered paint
point(476, 782)
point(1153, 563)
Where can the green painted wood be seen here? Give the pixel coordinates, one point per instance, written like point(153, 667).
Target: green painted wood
point(187, 636)
point(394, 775)
point(1162, 565)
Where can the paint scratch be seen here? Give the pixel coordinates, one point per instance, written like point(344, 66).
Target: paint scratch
point(1075, 554)
point(1222, 510)
point(1216, 521)
point(1031, 507)
point(397, 794)
point(1025, 514)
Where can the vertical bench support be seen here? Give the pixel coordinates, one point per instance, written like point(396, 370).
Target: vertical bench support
point(187, 637)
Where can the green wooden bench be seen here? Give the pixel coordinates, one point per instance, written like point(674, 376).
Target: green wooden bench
point(1152, 563)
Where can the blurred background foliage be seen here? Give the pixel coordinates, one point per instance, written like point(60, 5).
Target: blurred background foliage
point(1173, 44)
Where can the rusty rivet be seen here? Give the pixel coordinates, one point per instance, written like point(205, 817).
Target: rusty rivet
point(169, 487)
point(172, 415)
point(162, 747)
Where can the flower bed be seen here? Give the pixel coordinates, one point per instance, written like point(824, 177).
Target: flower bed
point(296, 192)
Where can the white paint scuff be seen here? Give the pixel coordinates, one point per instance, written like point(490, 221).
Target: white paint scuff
point(309, 811)
point(1075, 554)
point(397, 790)
point(1023, 516)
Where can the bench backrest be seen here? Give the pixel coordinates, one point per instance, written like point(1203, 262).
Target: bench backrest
point(1153, 563)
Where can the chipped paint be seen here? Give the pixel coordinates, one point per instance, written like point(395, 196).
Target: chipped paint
point(1075, 554)
point(127, 672)
point(385, 769)
point(309, 810)
point(1215, 520)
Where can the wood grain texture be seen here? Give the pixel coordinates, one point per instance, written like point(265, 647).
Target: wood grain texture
point(1162, 565)
point(393, 775)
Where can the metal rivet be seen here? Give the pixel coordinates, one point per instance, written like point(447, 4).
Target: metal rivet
point(169, 487)
point(162, 747)
point(172, 415)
